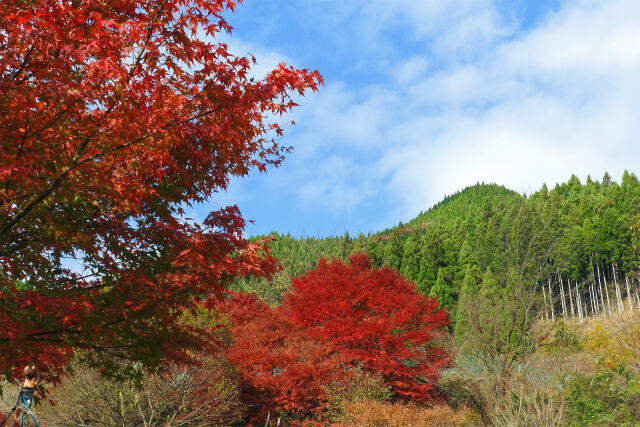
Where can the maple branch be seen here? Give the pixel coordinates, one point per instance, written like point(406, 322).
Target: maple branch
point(7, 250)
point(23, 64)
point(81, 345)
point(149, 135)
point(26, 128)
point(53, 121)
point(146, 41)
point(55, 184)
point(75, 163)
point(16, 219)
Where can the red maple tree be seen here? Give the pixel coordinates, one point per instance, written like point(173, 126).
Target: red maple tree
point(114, 116)
point(337, 318)
point(279, 366)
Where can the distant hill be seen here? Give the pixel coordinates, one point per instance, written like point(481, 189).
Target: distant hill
point(465, 204)
point(462, 205)
point(570, 231)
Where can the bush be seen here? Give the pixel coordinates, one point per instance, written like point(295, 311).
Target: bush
point(533, 399)
point(565, 338)
point(382, 414)
point(208, 395)
point(608, 397)
point(361, 386)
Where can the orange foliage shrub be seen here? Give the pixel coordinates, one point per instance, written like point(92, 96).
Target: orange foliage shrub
point(382, 414)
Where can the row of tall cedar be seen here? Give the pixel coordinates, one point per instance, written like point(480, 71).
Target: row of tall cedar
point(486, 232)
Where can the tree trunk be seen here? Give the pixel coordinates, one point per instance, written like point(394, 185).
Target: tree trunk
point(562, 299)
point(544, 295)
point(629, 297)
point(604, 311)
point(618, 294)
point(553, 317)
point(606, 288)
point(573, 314)
point(578, 303)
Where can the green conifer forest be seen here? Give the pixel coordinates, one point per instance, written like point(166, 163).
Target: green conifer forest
point(583, 233)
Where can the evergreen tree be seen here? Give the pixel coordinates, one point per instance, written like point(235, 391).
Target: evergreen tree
point(442, 291)
point(467, 300)
point(411, 257)
point(393, 251)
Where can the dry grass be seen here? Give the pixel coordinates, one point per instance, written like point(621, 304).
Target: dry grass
point(383, 414)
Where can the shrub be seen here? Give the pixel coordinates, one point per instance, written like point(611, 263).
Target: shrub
point(383, 414)
point(361, 386)
point(208, 395)
point(608, 397)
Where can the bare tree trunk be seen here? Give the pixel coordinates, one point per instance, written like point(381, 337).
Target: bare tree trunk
point(595, 298)
point(591, 297)
point(544, 295)
point(638, 300)
point(626, 279)
point(606, 288)
point(604, 311)
point(573, 314)
point(553, 317)
point(618, 294)
point(577, 298)
point(578, 303)
point(619, 298)
point(562, 299)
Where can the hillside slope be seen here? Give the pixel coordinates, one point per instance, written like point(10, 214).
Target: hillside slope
point(570, 232)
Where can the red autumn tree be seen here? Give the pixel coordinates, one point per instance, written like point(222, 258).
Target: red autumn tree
point(280, 367)
point(114, 116)
point(338, 318)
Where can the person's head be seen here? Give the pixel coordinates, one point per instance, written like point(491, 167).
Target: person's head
point(30, 372)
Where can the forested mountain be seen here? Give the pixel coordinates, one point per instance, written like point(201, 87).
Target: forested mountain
point(571, 232)
point(464, 204)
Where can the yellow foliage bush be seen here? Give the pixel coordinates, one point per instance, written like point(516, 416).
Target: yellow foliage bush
point(615, 340)
point(383, 414)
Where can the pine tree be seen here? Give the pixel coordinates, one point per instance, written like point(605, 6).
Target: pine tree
point(393, 251)
point(411, 257)
point(442, 291)
point(467, 300)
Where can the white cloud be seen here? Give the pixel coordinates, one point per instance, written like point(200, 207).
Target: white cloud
point(453, 28)
point(328, 185)
point(411, 69)
point(339, 114)
point(266, 59)
point(561, 98)
point(477, 100)
point(583, 38)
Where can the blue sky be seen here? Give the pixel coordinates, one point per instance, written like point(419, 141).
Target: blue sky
point(423, 98)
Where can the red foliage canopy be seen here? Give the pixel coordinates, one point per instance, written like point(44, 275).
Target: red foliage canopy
point(280, 366)
point(336, 318)
point(114, 116)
